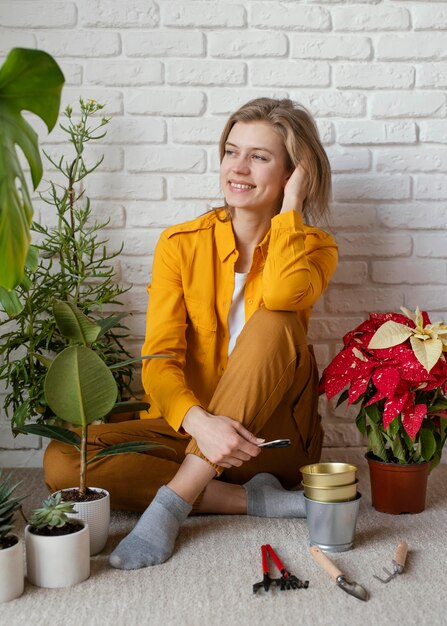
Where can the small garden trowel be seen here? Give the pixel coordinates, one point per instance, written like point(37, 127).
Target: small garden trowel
point(353, 588)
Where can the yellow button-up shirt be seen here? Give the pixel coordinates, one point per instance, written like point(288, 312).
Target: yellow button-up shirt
point(191, 292)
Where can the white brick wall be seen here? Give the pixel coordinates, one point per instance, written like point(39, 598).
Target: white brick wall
point(374, 74)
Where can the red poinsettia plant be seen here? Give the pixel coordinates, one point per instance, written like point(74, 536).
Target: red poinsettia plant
point(393, 366)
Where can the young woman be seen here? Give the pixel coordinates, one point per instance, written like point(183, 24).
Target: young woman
point(230, 300)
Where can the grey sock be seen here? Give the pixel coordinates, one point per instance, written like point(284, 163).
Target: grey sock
point(153, 538)
point(266, 497)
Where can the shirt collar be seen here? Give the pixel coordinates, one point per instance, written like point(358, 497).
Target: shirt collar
point(224, 237)
point(225, 241)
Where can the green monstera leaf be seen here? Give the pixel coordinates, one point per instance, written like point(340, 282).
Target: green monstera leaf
point(30, 80)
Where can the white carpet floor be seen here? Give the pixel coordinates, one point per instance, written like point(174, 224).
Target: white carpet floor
point(208, 581)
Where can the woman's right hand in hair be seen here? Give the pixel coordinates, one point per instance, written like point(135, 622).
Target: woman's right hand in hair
point(295, 190)
point(223, 440)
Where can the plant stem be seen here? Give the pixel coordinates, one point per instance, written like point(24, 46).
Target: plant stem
point(83, 475)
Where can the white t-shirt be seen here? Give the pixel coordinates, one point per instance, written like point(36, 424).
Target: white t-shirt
point(236, 315)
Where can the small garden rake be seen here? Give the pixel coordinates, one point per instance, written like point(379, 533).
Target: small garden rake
point(287, 580)
point(398, 563)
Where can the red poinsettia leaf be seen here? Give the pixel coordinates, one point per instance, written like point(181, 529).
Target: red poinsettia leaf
point(429, 386)
point(381, 318)
point(386, 380)
point(392, 408)
point(412, 418)
point(376, 397)
point(393, 355)
point(341, 371)
point(358, 388)
point(364, 327)
point(425, 318)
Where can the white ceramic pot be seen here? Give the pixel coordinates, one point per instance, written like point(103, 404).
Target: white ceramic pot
point(60, 561)
point(97, 515)
point(11, 572)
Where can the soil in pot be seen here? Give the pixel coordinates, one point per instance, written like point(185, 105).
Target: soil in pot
point(73, 495)
point(68, 529)
point(8, 542)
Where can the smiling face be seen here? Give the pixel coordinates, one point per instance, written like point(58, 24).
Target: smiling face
point(253, 172)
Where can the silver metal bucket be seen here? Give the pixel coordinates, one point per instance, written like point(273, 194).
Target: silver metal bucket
point(332, 524)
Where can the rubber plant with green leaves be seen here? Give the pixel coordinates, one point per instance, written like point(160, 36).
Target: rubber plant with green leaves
point(30, 80)
point(80, 387)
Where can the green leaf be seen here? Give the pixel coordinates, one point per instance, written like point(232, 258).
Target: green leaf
point(443, 426)
point(51, 432)
point(374, 414)
point(439, 405)
point(394, 427)
point(109, 322)
point(342, 397)
point(427, 443)
point(399, 450)
point(32, 259)
point(9, 299)
point(43, 359)
point(360, 421)
point(10, 302)
point(406, 437)
point(79, 386)
point(375, 441)
point(21, 413)
point(127, 447)
point(73, 324)
point(30, 80)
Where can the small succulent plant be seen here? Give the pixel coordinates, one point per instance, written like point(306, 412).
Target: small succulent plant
point(9, 504)
point(52, 513)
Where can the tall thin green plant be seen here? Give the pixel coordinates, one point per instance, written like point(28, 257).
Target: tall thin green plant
point(68, 261)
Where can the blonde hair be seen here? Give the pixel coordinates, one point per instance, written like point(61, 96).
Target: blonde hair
point(299, 133)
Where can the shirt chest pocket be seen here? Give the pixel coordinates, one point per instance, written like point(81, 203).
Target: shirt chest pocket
point(201, 328)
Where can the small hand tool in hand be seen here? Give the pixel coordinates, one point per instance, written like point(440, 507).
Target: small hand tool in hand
point(287, 580)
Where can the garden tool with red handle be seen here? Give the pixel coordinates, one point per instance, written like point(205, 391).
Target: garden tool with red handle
point(287, 580)
point(400, 557)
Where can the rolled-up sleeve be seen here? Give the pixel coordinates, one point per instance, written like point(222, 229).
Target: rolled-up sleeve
point(300, 262)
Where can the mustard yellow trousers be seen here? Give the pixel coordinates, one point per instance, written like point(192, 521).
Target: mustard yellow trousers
point(269, 385)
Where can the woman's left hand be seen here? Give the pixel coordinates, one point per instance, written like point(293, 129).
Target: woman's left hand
point(296, 189)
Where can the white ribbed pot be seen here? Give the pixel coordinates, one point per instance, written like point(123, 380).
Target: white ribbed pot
point(97, 515)
point(11, 572)
point(60, 561)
